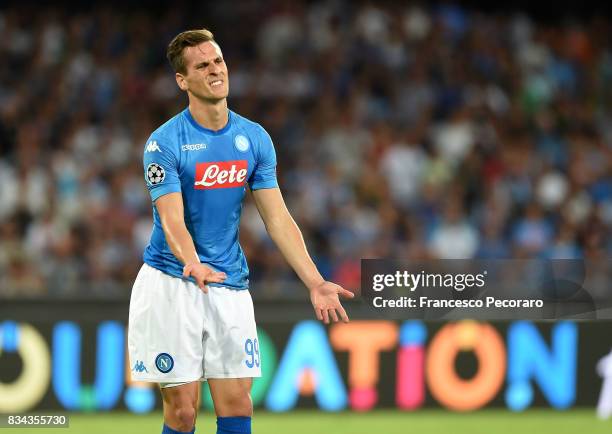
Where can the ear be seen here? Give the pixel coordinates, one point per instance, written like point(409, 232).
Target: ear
point(180, 80)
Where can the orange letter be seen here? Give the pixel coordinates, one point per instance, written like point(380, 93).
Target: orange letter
point(445, 385)
point(364, 340)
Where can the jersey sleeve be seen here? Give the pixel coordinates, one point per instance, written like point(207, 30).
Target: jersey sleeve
point(160, 168)
point(264, 175)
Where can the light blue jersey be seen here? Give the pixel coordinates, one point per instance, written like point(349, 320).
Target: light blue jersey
point(211, 170)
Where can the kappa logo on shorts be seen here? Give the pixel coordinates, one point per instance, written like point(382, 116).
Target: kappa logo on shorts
point(139, 367)
point(164, 362)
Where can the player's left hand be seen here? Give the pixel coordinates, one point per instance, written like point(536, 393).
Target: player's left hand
point(324, 298)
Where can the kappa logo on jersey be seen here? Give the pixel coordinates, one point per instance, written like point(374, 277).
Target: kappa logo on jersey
point(224, 174)
point(194, 147)
point(155, 174)
point(152, 146)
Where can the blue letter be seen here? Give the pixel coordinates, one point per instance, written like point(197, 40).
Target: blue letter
point(308, 347)
point(554, 370)
point(67, 367)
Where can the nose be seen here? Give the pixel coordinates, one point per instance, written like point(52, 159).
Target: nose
point(214, 68)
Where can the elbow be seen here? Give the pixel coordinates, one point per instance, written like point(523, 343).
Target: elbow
point(273, 227)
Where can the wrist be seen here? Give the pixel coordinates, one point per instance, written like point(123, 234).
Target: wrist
point(315, 282)
point(189, 265)
point(193, 261)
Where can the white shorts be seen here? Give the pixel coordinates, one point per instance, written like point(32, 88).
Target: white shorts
point(177, 333)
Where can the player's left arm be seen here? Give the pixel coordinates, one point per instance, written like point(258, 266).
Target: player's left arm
point(287, 236)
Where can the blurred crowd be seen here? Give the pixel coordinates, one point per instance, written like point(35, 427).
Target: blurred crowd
point(401, 131)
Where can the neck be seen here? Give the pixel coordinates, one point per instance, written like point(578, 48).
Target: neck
point(210, 115)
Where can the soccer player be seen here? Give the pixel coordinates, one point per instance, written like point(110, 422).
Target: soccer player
point(191, 314)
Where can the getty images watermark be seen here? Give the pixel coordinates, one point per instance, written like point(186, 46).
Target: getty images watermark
point(456, 282)
point(488, 289)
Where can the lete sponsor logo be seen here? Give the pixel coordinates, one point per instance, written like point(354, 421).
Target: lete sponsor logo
point(225, 174)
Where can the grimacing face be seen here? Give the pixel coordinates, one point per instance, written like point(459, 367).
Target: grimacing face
point(206, 76)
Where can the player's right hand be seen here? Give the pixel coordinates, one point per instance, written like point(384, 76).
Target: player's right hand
point(203, 275)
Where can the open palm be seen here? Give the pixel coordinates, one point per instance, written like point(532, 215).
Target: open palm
point(326, 302)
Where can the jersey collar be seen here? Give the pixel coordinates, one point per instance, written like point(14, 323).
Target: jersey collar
point(199, 127)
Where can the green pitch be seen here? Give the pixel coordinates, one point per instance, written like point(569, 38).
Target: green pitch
point(378, 422)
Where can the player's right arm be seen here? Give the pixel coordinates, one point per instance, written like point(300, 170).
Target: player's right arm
point(161, 174)
point(171, 214)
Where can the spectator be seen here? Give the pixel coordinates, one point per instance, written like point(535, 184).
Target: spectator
point(401, 131)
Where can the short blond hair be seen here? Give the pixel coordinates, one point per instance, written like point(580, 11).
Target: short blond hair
point(189, 38)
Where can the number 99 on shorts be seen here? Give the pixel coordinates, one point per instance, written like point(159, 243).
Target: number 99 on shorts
point(251, 348)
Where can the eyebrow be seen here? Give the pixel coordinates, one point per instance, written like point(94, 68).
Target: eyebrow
point(206, 63)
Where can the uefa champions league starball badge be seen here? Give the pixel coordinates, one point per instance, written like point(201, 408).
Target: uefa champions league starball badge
point(155, 173)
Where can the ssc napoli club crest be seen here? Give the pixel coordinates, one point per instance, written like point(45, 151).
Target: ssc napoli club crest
point(241, 143)
point(155, 173)
point(164, 362)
